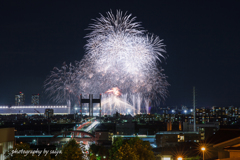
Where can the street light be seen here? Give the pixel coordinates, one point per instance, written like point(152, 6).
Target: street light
point(179, 158)
point(203, 149)
point(129, 110)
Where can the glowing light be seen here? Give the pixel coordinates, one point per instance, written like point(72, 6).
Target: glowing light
point(37, 107)
point(3, 106)
point(120, 55)
point(91, 126)
point(115, 91)
point(203, 149)
point(179, 158)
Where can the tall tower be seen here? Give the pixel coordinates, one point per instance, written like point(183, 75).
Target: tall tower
point(90, 101)
point(35, 99)
point(194, 110)
point(19, 99)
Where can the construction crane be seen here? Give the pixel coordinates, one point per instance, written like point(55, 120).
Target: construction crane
point(37, 111)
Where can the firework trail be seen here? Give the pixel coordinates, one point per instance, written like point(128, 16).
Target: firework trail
point(119, 53)
point(61, 84)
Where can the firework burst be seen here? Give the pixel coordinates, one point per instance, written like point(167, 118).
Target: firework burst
point(61, 84)
point(119, 53)
point(123, 55)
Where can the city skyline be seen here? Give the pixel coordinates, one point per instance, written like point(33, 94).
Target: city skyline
point(201, 40)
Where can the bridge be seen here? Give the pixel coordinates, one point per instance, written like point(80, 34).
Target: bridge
point(78, 135)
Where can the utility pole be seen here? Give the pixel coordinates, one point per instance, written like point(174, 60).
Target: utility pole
point(194, 110)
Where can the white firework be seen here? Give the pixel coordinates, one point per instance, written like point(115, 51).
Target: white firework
point(119, 53)
point(122, 54)
point(61, 84)
point(117, 44)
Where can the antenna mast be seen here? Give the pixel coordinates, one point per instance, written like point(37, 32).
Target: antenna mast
point(194, 110)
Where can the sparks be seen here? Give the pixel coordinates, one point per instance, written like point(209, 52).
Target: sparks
point(115, 91)
point(119, 52)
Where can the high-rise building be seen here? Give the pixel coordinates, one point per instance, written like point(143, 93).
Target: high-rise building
point(48, 113)
point(35, 99)
point(19, 99)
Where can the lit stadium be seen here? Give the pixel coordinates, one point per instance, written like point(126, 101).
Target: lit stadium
point(33, 110)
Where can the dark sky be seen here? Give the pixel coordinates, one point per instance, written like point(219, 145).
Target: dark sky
point(202, 39)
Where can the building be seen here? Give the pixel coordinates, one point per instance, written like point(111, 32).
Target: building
point(173, 138)
point(32, 110)
point(104, 134)
point(229, 149)
point(206, 130)
point(224, 145)
point(19, 99)
point(48, 113)
point(6, 140)
point(103, 137)
point(35, 99)
point(127, 128)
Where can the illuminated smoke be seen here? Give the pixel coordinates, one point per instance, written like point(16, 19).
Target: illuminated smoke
point(115, 91)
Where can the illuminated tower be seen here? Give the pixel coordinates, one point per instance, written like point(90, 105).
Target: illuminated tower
point(35, 99)
point(19, 99)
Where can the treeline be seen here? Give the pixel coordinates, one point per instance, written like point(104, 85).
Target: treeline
point(130, 149)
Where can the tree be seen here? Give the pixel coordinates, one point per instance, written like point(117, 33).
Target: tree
point(118, 142)
point(132, 149)
point(73, 151)
point(194, 158)
point(97, 151)
point(142, 148)
point(126, 152)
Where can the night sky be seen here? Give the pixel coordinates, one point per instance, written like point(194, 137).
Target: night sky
point(202, 41)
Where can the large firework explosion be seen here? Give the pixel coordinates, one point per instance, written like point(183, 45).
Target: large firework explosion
point(119, 53)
